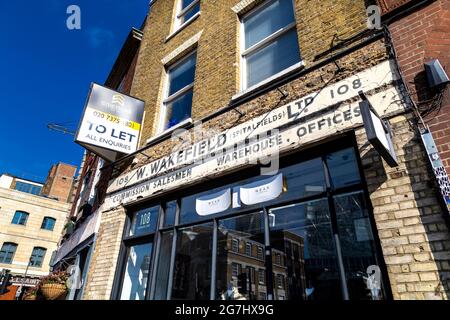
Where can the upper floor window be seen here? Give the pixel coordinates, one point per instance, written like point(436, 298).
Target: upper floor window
point(270, 42)
point(187, 9)
point(248, 249)
point(37, 257)
point(20, 218)
point(7, 252)
point(48, 223)
point(177, 106)
point(235, 245)
point(28, 188)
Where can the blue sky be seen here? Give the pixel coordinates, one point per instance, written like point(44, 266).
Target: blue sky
point(46, 73)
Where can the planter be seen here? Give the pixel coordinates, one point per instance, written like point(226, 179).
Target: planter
point(53, 291)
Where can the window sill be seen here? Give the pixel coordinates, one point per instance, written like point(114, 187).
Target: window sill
point(169, 131)
point(184, 25)
point(298, 66)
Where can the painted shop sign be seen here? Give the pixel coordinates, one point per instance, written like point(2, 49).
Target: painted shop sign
point(326, 119)
point(367, 80)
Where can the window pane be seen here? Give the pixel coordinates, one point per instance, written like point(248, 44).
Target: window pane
point(280, 54)
point(162, 276)
point(267, 20)
point(305, 179)
point(20, 218)
point(137, 271)
point(37, 257)
point(171, 211)
point(182, 75)
point(48, 223)
point(311, 268)
point(358, 246)
point(192, 272)
point(178, 110)
point(236, 268)
point(185, 3)
point(189, 14)
point(343, 168)
point(144, 221)
point(7, 252)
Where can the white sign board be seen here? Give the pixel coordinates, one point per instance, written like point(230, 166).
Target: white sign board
point(111, 123)
point(306, 106)
point(323, 116)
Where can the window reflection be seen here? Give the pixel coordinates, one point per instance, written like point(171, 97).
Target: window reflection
point(137, 271)
point(358, 246)
point(162, 275)
point(343, 168)
point(192, 270)
point(304, 255)
point(239, 241)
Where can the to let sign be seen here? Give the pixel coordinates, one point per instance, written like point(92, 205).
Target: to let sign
point(111, 123)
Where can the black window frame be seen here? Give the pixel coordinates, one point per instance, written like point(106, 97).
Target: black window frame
point(48, 219)
point(22, 213)
point(15, 245)
point(344, 141)
point(33, 256)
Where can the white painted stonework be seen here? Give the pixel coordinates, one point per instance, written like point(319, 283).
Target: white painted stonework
point(303, 121)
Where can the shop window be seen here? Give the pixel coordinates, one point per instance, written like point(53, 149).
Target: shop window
point(357, 243)
point(236, 285)
point(48, 223)
point(162, 273)
point(316, 276)
point(144, 221)
point(134, 286)
point(191, 280)
point(20, 218)
point(170, 213)
point(37, 257)
point(7, 252)
point(343, 168)
point(177, 105)
point(186, 11)
point(270, 43)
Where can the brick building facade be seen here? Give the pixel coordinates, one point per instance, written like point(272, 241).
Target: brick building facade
point(164, 218)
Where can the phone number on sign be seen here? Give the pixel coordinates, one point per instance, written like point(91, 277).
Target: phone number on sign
point(115, 119)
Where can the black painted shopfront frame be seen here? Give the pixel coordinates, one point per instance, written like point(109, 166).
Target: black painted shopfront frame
point(332, 145)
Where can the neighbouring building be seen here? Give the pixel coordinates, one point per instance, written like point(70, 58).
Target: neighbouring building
point(255, 177)
point(32, 218)
point(76, 246)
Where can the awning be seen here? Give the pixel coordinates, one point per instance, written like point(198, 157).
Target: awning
point(87, 229)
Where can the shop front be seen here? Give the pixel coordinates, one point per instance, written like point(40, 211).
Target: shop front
point(304, 233)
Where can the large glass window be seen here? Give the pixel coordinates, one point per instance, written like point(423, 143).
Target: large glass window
point(270, 41)
point(358, 245)
point(177, 106)
point(235, 283)
point(20, 218)
point(312, 270)
point(48, 223)
point(137, 271)
point(37, 257)
point(144, 221)
point(162, 274)
point(192, 269)
point(309, 237)
point(7, 252)
point(28, 188)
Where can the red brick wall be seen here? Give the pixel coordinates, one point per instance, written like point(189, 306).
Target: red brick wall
point(419, 37)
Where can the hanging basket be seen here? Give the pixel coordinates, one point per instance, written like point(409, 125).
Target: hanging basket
point(53, 291)
point(30, 297)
